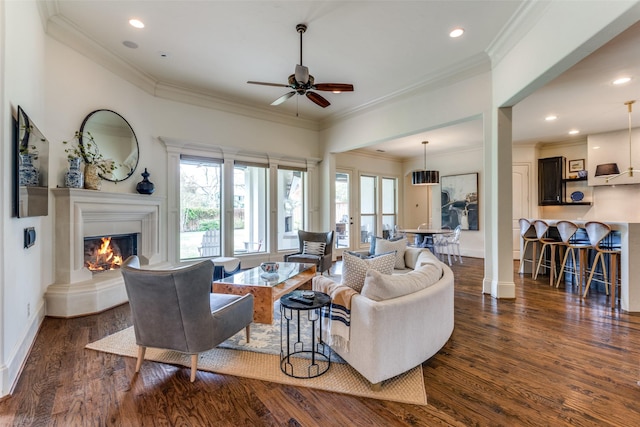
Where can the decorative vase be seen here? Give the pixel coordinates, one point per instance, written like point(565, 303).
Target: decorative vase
point(28, 173)
point(145, 186)
point(92, 180)
point(74, 178)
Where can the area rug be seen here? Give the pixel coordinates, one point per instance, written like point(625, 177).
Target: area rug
point(340, 378)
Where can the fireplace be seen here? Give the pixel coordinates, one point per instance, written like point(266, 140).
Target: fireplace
point(104, 253)
point(83, 216)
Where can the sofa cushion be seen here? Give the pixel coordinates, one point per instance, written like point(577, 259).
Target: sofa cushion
point(313, 248)
point(380, 287)
point(399, 246)
point(354, 269)
point(411, 256)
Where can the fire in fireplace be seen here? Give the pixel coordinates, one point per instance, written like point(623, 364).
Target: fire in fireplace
point(102, 253)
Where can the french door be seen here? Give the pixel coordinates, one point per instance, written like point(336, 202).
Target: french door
point(344, 212)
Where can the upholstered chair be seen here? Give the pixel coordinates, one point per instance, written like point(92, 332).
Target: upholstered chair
point(308, 252)
point(175, 310)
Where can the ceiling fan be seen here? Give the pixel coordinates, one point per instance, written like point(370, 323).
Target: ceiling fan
point(302, 82)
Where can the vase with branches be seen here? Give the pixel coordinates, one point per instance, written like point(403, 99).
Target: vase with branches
point(85, 148)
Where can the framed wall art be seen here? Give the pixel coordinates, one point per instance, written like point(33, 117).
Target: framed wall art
point(576, 165)
point(459, 201)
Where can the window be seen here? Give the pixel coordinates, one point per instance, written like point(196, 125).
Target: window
point(249, 207)
point(368, 211)
point(200, 202)
point(389, 206)
point(378, 209)
point(291, 185)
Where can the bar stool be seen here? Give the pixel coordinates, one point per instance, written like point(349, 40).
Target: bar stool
point(528, 235)
point(541, 231)
point(597, 232)
point(568, 230)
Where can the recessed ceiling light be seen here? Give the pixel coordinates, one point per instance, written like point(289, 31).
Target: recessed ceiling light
point(622, 80)
point(136, 23)
point(456, 32)
point(596, 147)
point(163, 54)
point(551, 118)
point(574, 132)
point(130, 44)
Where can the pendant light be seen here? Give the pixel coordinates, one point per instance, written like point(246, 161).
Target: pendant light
point(630, 170)
point(425, 177)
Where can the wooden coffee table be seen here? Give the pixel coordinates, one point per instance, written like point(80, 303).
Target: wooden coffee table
point(266, 289)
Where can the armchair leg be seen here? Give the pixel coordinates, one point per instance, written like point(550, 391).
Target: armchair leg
point(194, 366)
point(247, 332)
point(141, 351)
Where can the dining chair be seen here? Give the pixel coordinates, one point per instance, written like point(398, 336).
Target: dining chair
point(568, 234)
point(598, 232)
point(449, 242)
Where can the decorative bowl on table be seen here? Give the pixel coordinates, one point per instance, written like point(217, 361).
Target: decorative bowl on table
point(269, 267)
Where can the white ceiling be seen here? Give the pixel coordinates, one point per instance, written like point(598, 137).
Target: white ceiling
point(383, 48)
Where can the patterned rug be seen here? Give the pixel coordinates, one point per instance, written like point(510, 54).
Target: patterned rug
point(260, 360)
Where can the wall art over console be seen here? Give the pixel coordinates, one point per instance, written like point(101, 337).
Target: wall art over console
point(459, 195)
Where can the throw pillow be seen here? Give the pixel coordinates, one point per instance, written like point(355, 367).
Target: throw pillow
point(313, 248)
point(398, 245)
point(355, 269)
point(380, 287)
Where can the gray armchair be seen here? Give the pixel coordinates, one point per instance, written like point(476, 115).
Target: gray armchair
point(323, 262)
point(175, 310)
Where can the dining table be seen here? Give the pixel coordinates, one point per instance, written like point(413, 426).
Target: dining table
point(421, 233)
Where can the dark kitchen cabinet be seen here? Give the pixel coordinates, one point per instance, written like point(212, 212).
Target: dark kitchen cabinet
point(551, 188)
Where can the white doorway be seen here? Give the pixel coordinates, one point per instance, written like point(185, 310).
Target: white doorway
point(521, 202)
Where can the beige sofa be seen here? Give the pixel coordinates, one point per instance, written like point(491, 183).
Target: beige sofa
point(392, 334)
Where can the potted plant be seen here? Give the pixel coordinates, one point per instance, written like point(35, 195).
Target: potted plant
point(95, 163)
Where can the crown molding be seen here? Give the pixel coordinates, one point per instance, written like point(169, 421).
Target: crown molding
point(64, 31)
point(525, 18)
point(455, 73)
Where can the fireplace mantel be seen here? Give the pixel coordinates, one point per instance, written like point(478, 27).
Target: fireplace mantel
point(83, 213)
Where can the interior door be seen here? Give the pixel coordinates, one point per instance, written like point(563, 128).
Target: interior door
point(521, 203)
point(343, 213)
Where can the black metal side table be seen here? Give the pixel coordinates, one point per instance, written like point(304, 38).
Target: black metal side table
point(301, 355)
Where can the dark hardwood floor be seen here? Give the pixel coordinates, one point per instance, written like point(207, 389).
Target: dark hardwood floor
point(547, 358)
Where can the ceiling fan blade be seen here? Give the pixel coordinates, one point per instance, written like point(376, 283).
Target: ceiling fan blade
point(302, 74)
point(318, 99)
point(283, 98)
point(268, 84)
point(334, 87)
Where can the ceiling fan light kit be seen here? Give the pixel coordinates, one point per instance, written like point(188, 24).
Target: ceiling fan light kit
point(303, 83)
point(425, 177)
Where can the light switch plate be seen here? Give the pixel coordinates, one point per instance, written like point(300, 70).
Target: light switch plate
point(29, 237)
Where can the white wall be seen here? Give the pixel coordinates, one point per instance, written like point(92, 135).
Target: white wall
point(24, 272)
point(451, 163)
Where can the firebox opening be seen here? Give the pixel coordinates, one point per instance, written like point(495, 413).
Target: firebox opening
point(102, 253)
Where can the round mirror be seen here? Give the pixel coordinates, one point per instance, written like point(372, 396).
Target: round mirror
point(115, 140)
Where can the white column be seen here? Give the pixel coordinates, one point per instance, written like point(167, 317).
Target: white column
point(498, 279)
